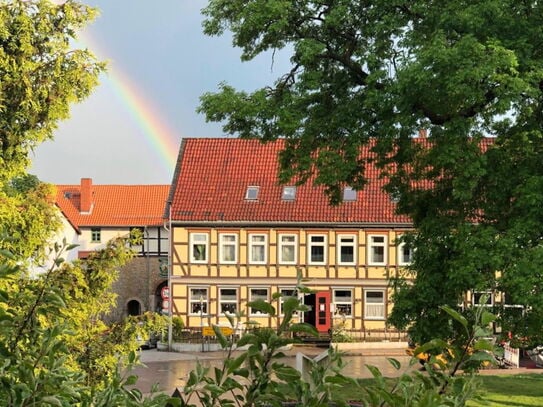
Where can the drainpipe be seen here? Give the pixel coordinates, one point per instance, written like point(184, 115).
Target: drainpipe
point(170, 299)
point(148, 266)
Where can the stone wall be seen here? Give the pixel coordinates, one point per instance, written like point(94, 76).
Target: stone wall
point(138, 281)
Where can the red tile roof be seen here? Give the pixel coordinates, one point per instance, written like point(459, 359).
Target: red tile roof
point(114, 205)
point(213, 174)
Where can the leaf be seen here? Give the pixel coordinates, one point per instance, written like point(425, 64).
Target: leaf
point(304, 328)
point(262, 306)
point(220, 336)
point(456, 316)
point(487, 318)
point(395, 363)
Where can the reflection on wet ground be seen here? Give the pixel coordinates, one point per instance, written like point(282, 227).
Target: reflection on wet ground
point(169, 374)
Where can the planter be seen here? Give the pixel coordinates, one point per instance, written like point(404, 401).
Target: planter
point(161, 346)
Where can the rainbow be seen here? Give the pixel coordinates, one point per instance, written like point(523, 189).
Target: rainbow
point(156, 133)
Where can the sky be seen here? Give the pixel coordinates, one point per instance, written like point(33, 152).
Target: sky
point(159, 64)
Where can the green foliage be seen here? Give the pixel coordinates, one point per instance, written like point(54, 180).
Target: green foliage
point(55, 349)
point(28, 218)
point(40, 75)
point(371, 76)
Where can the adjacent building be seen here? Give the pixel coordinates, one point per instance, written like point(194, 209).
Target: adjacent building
point(94, 214)
point(238, 235)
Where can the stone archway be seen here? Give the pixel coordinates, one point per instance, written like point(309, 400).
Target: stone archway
point(133, 308)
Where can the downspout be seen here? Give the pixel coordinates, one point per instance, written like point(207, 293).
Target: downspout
point(170, 299)
point(148, 266)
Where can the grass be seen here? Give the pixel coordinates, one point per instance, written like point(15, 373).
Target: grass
point(523, 390)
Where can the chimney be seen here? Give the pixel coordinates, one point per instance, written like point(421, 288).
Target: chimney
point(423, 133)
point(86, 203)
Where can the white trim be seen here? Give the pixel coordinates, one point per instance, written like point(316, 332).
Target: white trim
point(197, 301)
point(322, 244)
point(250, 289)
point(381, 307)
point(400, 248)
point(340, 245)
point(228, 243)
point(282, 244)
point(252, 245)
point(372, 244)
point(336, 303)
point(193, 242)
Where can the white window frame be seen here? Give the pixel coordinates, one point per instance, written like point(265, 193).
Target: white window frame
point(284, 291)
point(288, 193)
point(263, 244)
point(311, 245)
point(252, 193)
point(374, 310)
point(222, 300)
point(342, 244)
point(349, 194)
point(193, 241)
point(401, 247)
point(198, 301)
point(224, 244)
point(339, 305)
point(372, 244)
point(96, 235)
point(283, 244)
point(252, 298)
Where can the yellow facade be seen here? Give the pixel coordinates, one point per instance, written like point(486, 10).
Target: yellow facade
point(220, 270)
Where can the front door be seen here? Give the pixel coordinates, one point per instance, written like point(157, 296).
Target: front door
point(322, 312)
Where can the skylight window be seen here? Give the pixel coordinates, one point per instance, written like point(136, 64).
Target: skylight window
point(289, 193)
point(349, 194)
point(252, 193)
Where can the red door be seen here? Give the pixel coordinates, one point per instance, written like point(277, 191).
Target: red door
point(322, 314)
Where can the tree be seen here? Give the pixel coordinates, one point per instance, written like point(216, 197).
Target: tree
point(374, 74)
point(55, 349)
point(40, 74)
point(27, 215)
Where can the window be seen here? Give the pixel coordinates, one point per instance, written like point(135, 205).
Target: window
point(374, 301)
point(349, 194)
point(252, 193)
point(289, 193)
point(376, 250)
point(285, 294)
point(96, 235)
point(483, 298)
point(343, 302)
point(228, 244)
point(198, 247)
point(287, 249)
point(257, 294)
point(317, 249)
point(257, 249)
point(228, 300)
point(405, 254)
point(346, 245)
point(198, 301)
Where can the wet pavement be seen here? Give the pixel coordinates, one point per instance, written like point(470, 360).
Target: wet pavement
point(169, 370)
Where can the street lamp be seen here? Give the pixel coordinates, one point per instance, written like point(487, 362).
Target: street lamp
point(202, 319)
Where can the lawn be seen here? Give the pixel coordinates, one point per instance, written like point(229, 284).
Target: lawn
point(521, 390)
point(511, 391)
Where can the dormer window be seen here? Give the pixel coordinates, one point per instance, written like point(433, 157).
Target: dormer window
point(252, 193)
point(289, 193)
point(349, 194)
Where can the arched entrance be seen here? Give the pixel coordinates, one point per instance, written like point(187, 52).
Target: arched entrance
point(133, 307)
